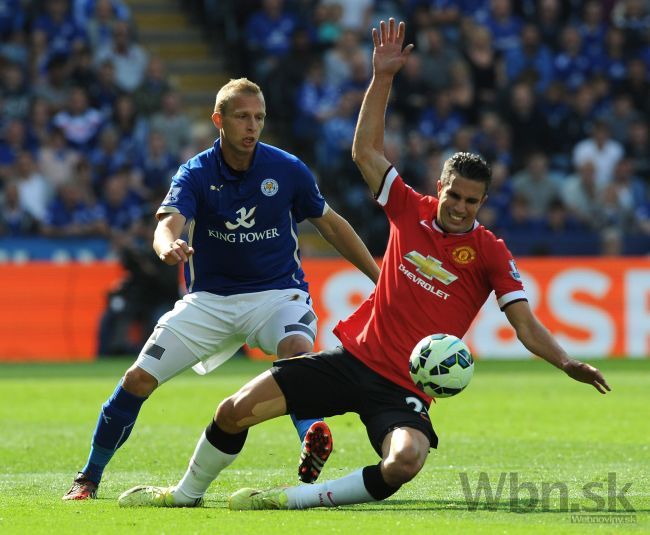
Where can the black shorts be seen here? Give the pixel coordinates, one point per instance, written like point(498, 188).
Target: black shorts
point(335, 382)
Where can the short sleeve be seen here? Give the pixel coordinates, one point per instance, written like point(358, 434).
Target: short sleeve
point(395, 196)
point(504, 277)
point(182, 195)
point(308, 201)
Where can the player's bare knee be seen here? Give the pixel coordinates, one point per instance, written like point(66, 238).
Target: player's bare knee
point(402, 466)
point(229, 415)
point(139, 382)
point(294, 345)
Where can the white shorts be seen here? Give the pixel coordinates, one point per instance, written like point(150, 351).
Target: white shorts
point(203, 330)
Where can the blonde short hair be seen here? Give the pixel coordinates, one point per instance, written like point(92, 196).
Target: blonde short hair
point(233, 88)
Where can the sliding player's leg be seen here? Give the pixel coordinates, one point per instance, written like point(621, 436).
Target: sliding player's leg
point(406, 452)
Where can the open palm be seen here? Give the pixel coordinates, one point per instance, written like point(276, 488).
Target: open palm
point(388, 56)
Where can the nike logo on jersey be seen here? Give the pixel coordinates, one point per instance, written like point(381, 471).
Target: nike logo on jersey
point(245, 219)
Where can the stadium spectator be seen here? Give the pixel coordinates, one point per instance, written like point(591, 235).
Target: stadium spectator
point(56, 161)
point(571, 66)
point(38, 122)
point(580, 194)
point(611, 62)
point(107, 158)
point(131, 127)
point(85, 10)
point(13, 141)
point(55, 31)
point(549, 20)
point(99, 21)
point(531, 62)
point(483, 61)
point(268, 37)
point(172, 121)
point(79, 122)
point(637, 149)
point(592, 29)
point(620, 115)
point(602, 150)
point(105, 91)
point(15, 220)
point(149, 95)
point(155, 166)
point(526, 122)
point(128, 57)
point(536, 183)
point(72, 213)
point(316, 100)
point(54, 87)
point(441, 121)
point(370, 370)
point(411, 92)
point(437, 58)
point(356, 14)
point(337, 59)
point(120, 207)
point(503, 25)
point(15, 94)
point(34, 190)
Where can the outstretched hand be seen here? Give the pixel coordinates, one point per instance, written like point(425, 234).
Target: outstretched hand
point(583, 372)
point(389, 57)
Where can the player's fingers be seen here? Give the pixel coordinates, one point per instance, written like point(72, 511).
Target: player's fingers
point(391, 29)
point(401, 30)
point(598, 387)
point(407, 49)
point(382, 31)
point(601, 381)
point(375, 37)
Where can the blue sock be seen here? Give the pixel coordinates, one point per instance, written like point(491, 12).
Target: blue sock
point(302, 426)
point(114, 426)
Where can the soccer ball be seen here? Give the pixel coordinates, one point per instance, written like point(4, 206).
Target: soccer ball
point(441, 365)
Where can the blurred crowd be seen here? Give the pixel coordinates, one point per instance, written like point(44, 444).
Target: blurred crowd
point(91, 130)
point(554, 94)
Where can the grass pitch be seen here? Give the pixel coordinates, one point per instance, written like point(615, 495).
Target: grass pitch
point(557, 456)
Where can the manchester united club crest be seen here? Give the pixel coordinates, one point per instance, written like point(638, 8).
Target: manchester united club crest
point(463, 254)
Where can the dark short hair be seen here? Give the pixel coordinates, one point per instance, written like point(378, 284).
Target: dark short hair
point(467, 165)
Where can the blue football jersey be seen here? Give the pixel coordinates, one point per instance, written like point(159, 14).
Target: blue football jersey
point(243, 226)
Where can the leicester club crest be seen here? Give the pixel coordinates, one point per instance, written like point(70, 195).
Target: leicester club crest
point(269, 187)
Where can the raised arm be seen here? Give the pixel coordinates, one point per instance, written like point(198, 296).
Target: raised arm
point(387, 59)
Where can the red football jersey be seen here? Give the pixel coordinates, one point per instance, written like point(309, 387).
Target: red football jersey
point(430, 282)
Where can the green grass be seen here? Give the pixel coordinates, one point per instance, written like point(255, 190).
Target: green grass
point(516, 417)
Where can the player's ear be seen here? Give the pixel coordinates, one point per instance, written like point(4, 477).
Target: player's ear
point(216, 120)
point(439, 185)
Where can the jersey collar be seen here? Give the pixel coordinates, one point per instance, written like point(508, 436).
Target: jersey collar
point(223, 168)
point(435, 226)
